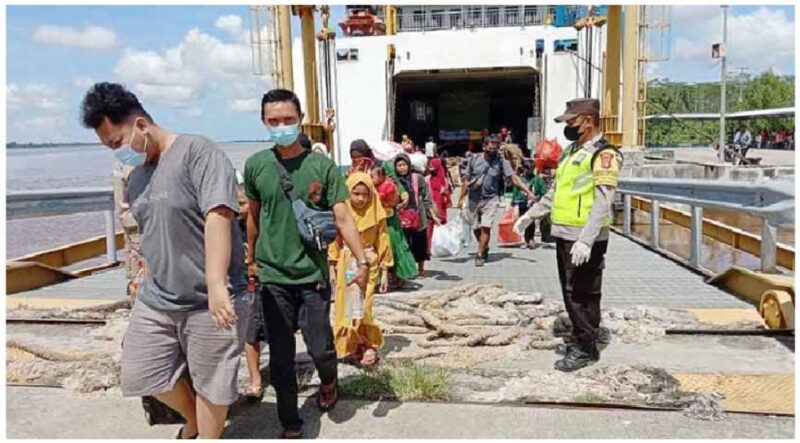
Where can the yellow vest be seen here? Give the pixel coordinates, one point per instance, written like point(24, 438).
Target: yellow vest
point(574, 190)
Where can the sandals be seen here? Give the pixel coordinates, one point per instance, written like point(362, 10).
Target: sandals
point(374, 360)
point(331, 392)
point(253, 393)
point(286, 436)
point(179, 435)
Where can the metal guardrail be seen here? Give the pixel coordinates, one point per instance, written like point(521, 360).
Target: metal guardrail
point(772, 201)
point(32, 204)
point(475, 17)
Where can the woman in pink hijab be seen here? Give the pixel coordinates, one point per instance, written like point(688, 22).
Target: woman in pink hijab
point(440, 192)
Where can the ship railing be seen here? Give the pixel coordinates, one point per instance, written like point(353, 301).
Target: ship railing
point(46, 203)
point(772, 201)
point(475, 17)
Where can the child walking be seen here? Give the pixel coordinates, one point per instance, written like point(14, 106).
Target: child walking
point(359, 340)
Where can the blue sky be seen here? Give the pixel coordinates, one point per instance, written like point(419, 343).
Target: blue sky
point(190, 65)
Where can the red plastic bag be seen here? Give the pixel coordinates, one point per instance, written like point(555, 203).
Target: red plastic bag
point(547, 154)
point(505, 232)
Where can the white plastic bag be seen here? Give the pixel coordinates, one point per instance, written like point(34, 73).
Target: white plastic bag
point(385, 150)
point(466, 230)
point(419, 162)
point(444, 243)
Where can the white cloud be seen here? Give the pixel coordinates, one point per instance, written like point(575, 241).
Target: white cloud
point(83, 82)
point(95, 38)
point(759, 40)
point(42, 122)
point(186, 71)
point(33, 95)
point(246, 105)
point(232, 24)
point(193, 112)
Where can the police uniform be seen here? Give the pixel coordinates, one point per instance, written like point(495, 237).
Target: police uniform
point(580, 207)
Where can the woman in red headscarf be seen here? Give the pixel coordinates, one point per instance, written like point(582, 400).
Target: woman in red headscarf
point(440, 192)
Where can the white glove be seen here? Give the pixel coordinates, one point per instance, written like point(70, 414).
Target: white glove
point(580, 253)
point(522, 224)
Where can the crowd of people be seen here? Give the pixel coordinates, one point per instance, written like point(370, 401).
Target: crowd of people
point(230, 260)
point(783, 138)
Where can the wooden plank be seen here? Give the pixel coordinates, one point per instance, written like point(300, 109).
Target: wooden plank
point(73, 252)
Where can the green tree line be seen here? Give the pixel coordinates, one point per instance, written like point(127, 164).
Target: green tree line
point(765, 91)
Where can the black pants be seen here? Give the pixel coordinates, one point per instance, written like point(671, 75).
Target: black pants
point(581, 287)
point(288, 308)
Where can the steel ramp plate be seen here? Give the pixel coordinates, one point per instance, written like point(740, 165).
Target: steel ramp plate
point(754, 393)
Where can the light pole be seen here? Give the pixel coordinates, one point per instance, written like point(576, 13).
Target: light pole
point(723, 75)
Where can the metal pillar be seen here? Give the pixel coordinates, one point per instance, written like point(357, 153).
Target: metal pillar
point(630, 56)
point(723, 75)
point(696, 239)
point(655, 227)
point(306, 14)
point(627, 215)
point(285, 47)
point(769, 247)
point(111, 237)
point(611, 78)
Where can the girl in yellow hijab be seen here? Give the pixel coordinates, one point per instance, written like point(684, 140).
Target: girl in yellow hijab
point(360, 340)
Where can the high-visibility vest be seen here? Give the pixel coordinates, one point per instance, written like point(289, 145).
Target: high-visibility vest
point(574, 190)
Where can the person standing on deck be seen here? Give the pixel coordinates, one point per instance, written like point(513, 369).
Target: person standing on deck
point(430, 148)
point(190, 311)
point(295, 287)
point(580, 208)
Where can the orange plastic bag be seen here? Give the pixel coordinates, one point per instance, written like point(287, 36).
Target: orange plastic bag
point(505, 232)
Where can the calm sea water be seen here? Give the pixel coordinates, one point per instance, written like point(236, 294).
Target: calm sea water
point(70, 167)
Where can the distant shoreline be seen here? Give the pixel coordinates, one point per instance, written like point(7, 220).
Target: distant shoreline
point(14, 145)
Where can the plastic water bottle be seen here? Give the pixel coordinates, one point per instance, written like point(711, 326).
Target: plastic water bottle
point(354, 299)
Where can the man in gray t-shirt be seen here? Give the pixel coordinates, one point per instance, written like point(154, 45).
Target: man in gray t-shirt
point(188, 316)
point(484, 182)
point(170, 201)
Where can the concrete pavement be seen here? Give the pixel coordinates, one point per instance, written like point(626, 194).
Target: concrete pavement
point(55, 413)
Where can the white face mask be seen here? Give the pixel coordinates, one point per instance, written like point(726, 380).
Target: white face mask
point(128, 156)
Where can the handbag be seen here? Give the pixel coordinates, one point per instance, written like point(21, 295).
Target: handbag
point(317, 228)
point(409, 218)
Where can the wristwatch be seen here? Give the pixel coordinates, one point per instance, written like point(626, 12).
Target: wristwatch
point(364, 262)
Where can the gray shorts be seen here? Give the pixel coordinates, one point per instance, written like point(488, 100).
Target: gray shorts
point(159, 347)
point(483, 213)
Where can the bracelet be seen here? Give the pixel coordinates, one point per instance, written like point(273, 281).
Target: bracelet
point(364, 262)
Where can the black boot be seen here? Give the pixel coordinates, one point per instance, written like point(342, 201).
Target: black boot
point(576, 359)
point(566, 347)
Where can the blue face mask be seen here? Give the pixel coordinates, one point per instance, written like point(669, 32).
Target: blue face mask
point(284, 135)
point(128, 156)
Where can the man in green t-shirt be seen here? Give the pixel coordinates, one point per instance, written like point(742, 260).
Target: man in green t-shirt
point(295, 292)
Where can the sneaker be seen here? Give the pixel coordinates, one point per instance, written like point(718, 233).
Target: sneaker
point(575, 360)
point(479, 261)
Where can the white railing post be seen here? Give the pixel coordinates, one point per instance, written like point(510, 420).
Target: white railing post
point(627, 215)
point(655, 219)
point(111, 237)
point(696, 241)
point(769, 246)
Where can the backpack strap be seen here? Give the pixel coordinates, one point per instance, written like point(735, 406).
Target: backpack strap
point(285, 179)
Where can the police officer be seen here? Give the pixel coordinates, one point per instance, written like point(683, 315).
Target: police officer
point(579, 205)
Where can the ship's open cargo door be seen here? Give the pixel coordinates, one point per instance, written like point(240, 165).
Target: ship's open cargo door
point(442, 102)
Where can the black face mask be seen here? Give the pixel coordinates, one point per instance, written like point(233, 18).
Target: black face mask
point(571, 133)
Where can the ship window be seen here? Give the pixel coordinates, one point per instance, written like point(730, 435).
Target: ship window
point(437, 18)
point(347, 54)
point(565, 45)
point(512, 16)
